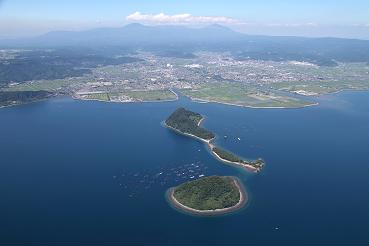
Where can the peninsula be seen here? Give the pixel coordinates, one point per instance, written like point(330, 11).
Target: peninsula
point(12, 98)
point(188, 123)
point(214, 195)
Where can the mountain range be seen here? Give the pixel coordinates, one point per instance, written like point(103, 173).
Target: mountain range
point(184, 40)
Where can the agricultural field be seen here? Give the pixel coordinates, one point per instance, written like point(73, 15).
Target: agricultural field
point(347, 76)
point(96, 96)
point(151, 95)
point(315, 88)
point(45, 85)
point(240, 95)
point(129, 96)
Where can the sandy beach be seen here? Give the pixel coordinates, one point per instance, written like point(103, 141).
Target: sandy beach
point(188, 134)
point(243, 165)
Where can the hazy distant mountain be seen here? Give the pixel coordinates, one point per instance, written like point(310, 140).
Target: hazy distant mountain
point(184, 40)
point(137, 34)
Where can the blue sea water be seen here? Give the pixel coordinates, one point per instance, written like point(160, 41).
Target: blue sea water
point(92, 173)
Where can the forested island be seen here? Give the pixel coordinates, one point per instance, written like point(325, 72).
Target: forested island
point(10, 98)
point(212, 195)
point(188, 123)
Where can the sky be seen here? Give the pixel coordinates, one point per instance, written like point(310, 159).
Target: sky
point(339, 18)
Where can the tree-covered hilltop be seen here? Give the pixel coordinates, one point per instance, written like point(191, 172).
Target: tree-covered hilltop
point(187, 121)
point(226, 155)
point(8, 98)
point(208, 193)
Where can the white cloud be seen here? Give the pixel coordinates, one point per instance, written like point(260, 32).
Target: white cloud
point(163, 18)
point(190, 19)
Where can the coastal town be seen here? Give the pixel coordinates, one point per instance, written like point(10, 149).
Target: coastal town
point(204, 76)
point(158, 73)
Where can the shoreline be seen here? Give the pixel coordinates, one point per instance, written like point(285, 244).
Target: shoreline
point(222, 211)
point(198, 100)
point(249, 167)
point(128, 102)
point(338, 91)
point(209, 144)
point(189, 134)
point(104, 101)
point(76, 97)
point(26, 103)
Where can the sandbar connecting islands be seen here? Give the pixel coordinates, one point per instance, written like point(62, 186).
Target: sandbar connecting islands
point(188, 123)
point(214, 195)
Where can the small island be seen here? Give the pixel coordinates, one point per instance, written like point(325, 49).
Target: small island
point(214, 195)
point(188, 123)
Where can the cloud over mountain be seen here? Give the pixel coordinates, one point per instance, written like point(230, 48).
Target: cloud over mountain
point(163, 18)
